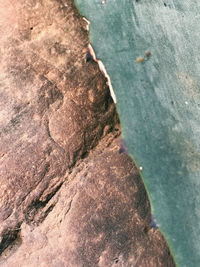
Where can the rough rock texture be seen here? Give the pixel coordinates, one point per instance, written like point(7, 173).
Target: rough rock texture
point(59, 204)
point(101, 217)
point(54, 106)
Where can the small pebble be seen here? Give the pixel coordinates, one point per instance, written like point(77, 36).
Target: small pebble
point(148, 54)
point(140, 168)
point(139, 59)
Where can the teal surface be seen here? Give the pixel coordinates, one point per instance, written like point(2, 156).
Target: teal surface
point(158, 101)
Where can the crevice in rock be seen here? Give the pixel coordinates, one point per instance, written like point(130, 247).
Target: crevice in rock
point(10, 241)
point(13, 123)
point(35, 213)
point(69, 206)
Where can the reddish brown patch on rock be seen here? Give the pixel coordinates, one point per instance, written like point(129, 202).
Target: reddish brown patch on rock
point(47, 121)
point(101, 218)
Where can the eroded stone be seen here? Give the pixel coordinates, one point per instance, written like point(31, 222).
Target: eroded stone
point(62, 202)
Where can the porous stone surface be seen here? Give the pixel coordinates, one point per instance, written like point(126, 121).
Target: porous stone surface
point(54, 107)
point(64, 202)
point(100, 217)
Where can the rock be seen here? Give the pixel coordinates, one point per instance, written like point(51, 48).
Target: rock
point(64, 202)
point(100, 217)
point(54, 106)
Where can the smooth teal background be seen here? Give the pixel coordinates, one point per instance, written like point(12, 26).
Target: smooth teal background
point(158, 102)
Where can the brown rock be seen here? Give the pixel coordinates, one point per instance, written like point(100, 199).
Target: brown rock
point(100, 218)
point(48, 121)
point(59, 205)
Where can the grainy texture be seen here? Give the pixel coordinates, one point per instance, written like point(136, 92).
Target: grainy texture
point(59, 204)
point(101, 217)
point(54, 107)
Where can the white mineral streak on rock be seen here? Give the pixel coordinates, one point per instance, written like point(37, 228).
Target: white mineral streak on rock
point(88, 24)
point(103, 70)
point(101, 65)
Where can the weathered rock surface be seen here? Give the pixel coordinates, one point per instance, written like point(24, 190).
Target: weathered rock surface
point(59, 204)
point(101, 217)
point(54, 106)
